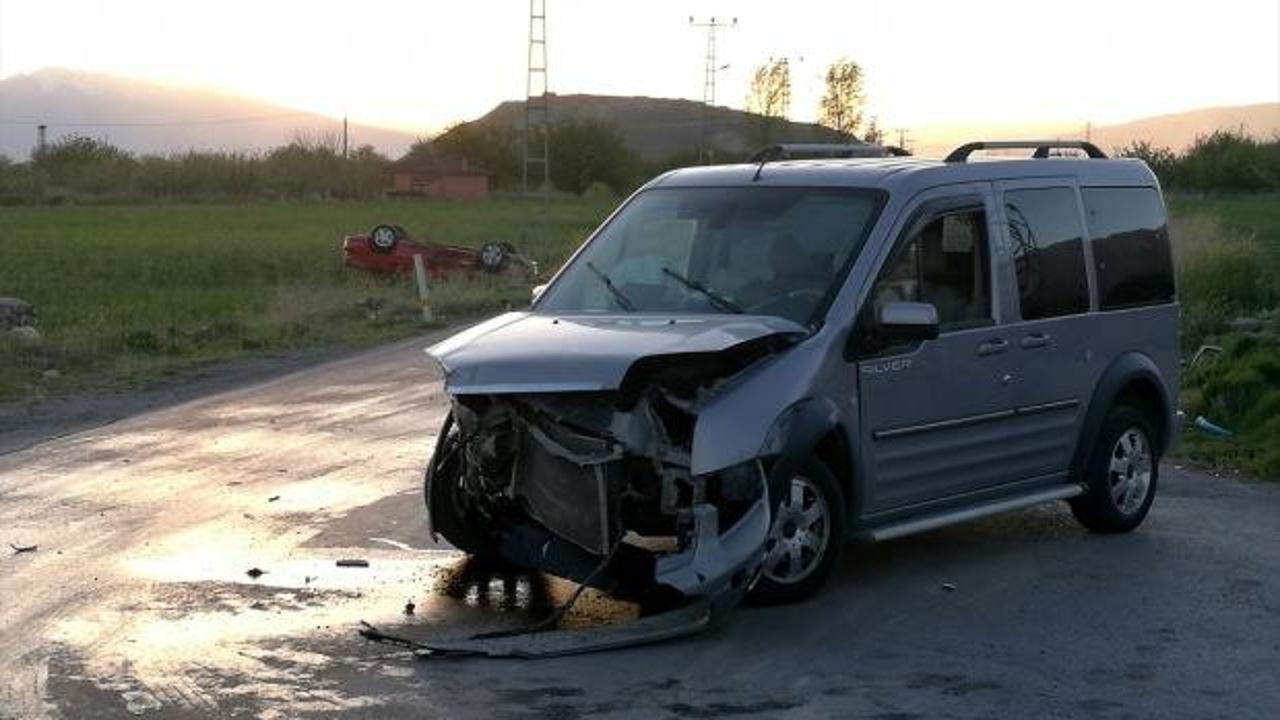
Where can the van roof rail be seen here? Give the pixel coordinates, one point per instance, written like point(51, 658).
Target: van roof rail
point(797, 151)
point(1042, 147)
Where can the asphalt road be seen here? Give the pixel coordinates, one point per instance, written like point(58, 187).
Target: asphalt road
point(137, 600)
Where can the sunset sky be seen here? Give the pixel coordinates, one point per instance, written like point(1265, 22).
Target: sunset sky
point(420, 64)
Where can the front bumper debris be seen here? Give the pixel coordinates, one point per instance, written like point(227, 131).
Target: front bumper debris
point(681, 622)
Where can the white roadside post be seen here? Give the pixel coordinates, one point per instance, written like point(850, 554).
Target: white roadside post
point(420, 273)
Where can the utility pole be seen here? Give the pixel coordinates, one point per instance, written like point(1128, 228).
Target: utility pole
point(904, 137)
point(40, 137)
point(536, 110)
point(709, 71)
point(344, 136)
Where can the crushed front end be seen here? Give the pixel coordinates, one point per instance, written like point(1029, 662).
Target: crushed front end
point(595, 485)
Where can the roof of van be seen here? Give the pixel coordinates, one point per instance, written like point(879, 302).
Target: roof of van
point(908, 174)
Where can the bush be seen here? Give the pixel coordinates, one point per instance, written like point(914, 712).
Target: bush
point(584, 152)
point(81, 169)
point(1223, 161)
point(1222, 274)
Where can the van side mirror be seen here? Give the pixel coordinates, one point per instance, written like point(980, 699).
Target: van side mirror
point(899, 322)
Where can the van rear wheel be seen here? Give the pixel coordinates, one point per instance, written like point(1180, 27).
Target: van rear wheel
point(805, 537)
point(1121, 474)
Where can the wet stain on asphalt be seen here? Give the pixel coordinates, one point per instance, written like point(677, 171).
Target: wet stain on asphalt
point(728, 709)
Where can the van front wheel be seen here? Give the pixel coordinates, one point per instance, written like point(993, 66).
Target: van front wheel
point(1121, 474)
point(805, 537)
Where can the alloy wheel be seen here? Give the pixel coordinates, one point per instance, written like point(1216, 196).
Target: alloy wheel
point(800, 534)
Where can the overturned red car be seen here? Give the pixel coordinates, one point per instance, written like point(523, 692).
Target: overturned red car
point(390, 249)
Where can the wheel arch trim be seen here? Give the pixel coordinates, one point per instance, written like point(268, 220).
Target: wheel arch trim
point(799, 432)
point(1128, 371)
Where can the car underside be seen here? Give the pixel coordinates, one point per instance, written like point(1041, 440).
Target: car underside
point(596, 486)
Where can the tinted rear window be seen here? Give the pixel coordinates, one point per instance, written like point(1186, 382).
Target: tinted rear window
point(1131, 254)
point(1048, 251)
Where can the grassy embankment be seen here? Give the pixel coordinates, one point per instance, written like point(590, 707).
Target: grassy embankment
point(130, 293)
point(127, 294)
point(1228, 252)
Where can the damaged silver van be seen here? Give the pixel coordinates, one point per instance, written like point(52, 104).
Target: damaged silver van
point(748, 366)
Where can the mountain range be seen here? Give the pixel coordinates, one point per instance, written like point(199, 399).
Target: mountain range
point(146, 117)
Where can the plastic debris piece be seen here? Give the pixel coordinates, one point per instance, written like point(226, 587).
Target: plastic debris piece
point(948, 587)
point(273, 498)
point(1207, 427)
point(255, 573)
point(1205, 352)
point(353, 562)
point(23, 548)
point(408, 608)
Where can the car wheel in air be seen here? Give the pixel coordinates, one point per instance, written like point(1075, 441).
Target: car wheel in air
point(805, 537)
point(384, 237)
point(493, 255)
point(1121, 474)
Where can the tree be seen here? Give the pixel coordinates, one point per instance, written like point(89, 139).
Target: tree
point(841, 105)
point(585, 152)
point(769, 100)
point(495, 148)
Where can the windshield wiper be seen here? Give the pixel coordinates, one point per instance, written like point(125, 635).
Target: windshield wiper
point(721, 303)
point(618, 295)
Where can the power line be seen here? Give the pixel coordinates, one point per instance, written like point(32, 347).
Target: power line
point(158, 123)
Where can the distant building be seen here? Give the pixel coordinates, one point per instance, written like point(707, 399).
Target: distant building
point(434, 172)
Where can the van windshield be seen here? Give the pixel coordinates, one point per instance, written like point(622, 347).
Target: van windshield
point(757, 250)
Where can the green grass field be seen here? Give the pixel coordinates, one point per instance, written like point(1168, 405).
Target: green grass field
point(128, 293)
point(131, 293)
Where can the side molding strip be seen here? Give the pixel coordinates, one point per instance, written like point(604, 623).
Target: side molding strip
point(974, 419)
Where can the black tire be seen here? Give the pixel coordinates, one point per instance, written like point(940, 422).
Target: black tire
point(451, 515)
point(383, 238)
point(493, 255)
point(1112, 468)
point(771, 588)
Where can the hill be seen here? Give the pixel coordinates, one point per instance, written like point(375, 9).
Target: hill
point(657, 128)
point(1179, 130)
point(1176, 131)
point(146, 117)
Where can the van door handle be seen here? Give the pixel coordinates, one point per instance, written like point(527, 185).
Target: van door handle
point(1035, 340)
point(993, 346)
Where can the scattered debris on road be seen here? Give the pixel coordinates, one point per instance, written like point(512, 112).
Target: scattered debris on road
point(948, 587)
point(409, 607)
point(255, 573)
point(353, 562)
point(273, 498)
point(23, 548)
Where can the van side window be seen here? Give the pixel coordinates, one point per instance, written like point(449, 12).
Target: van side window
point(1047, 243)
point(1131, 255)
point(944, 263)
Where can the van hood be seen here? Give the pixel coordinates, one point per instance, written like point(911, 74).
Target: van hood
point(525, 352)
